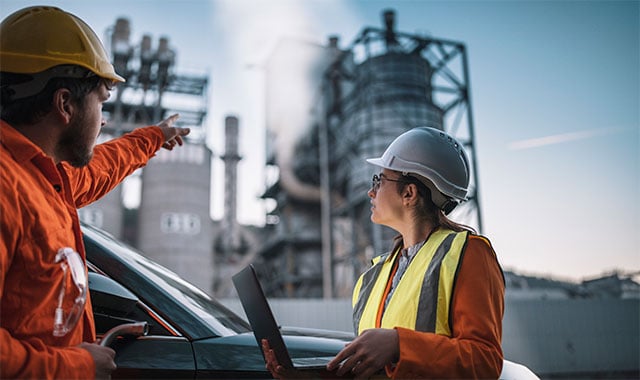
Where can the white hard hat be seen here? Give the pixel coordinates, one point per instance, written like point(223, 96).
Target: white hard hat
point(433, 157)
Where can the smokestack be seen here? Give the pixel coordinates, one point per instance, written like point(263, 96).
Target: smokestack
point(333, 41)
point(231, 159)
point(121, 49)
point(389, 20)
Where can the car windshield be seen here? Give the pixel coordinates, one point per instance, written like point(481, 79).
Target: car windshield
point(220, 319)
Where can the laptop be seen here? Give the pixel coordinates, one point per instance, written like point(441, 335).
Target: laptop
point(264, 324)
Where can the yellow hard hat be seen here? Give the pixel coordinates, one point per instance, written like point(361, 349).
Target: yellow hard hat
point(35, 39)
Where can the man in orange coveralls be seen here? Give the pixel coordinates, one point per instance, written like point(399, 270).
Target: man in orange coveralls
point(55, 76)
point(432, 307)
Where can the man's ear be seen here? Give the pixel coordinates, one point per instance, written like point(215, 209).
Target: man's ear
point(63, 105)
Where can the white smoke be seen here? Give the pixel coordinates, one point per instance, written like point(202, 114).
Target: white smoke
point(253, 31)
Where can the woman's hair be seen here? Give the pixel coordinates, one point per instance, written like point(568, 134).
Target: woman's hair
point(426, 210)
point(31, 109)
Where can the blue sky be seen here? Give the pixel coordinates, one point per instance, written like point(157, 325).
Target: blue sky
point(555, 89)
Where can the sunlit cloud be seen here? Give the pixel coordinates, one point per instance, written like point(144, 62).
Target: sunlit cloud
point(564, 137)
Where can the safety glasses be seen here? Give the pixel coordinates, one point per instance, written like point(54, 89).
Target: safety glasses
point(70, 262)
point(377, 179)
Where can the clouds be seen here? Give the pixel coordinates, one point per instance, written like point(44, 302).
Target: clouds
point(565, 137)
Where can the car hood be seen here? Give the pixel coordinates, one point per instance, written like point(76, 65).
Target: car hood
point(319, 333)
point(241, 351)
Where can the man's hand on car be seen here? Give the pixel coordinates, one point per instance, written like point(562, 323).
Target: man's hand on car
point(103, 357)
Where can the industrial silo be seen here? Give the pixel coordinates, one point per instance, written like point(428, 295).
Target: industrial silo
point(173, 220)
point(392, 94)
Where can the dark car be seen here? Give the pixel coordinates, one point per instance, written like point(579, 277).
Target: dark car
point(191, 335)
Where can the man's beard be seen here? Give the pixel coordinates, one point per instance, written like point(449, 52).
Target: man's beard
point(76, 145)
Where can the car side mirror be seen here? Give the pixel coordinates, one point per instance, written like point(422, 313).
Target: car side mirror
point(112, 303)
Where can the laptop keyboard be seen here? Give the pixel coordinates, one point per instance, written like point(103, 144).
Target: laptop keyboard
point(320, 361)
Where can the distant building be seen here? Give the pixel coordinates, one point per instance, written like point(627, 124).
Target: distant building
point(613, 286)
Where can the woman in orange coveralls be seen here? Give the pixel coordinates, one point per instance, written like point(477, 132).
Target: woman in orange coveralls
point(432, 307)
point(55, 76)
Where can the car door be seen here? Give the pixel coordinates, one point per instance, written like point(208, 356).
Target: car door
point(162, 353)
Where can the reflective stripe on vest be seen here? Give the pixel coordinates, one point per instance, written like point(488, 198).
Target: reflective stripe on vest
point(423, 296)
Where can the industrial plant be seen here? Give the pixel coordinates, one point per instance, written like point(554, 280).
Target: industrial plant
point(351, 102)
point(352, 99)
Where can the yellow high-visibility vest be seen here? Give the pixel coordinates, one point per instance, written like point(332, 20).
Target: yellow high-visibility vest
point(422, 298)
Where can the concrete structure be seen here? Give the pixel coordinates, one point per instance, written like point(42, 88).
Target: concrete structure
point(174, 225)
point(231, 159)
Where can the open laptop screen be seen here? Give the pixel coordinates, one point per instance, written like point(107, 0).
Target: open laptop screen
point(263, 323)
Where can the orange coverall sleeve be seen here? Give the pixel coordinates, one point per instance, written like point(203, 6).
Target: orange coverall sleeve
point(474, 349)
point(44, 362)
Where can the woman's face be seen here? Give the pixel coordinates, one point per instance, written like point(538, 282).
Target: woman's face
point(386, 202)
